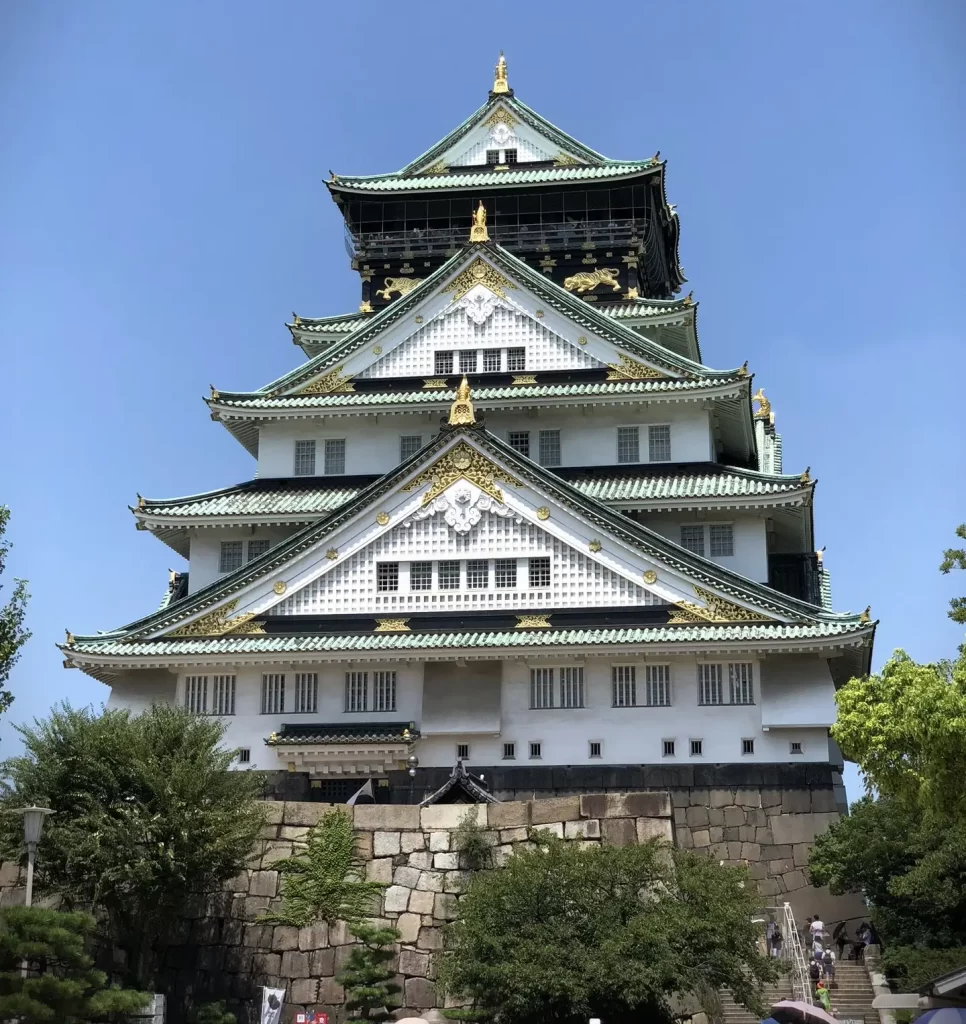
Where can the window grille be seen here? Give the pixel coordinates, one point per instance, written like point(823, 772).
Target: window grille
point(541, 688)
point(505, 573)
point(692, 538)
point(222, 695)
point(624, 679)
point(747, 746)
point(273, 693)
point(449, 575)
point(231, 556)
point(509, 751)
point(421, 576)
point(492, 360)
point(657, 685)
point(443, 363)
point(595, 748)
point(668, 747)
point(659, 444)
point(795, 748)
point(357, 691)
point(409, 444)
point(305, 458)
point(741, 688)
point(539, 572)
point(572, 687)
point(387, 576)
point(244, 755)
point(722, 538)
point(196, 694)
point(492, 157)
point(335, 456)
point(463, 751)
point(509, 156)
point(477, 574)
point(519, 441)
point(468, 360)
point(549, 447)
point(709, 684)
point(257, 548)
point(306, 693)
point(628, 444)
point(516, 360)
point(697, 748)
point(384, 691)
point(535, 750)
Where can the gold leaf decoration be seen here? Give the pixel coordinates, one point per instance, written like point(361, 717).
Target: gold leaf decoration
point(630, 369)
point(332, 554)
point(595, 546)
point(525, 378)
point(715, 609)
point(479, 272)
point(462, 462)
point(382, 518)
point(581, 340)
point(650, 576)
point(434, 382)
point(543, 512)
point(565, 160)
point(392, 626)
point(500, 116)
point(332, 381)
point(279, 587)
point(532, 622)
point(403, 285)
point(218, 623)
point(588, 280)
point(440, 167)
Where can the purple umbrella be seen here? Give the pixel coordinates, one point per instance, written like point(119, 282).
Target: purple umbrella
point(790, 1012)
point(947, 1015)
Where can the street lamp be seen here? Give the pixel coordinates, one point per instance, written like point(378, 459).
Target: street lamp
point(413, 762)
point(33, 826)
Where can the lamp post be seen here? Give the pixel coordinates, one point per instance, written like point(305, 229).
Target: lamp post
point(413, 762)
point(33, 826)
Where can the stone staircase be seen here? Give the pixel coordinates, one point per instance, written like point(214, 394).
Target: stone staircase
point(851, 997)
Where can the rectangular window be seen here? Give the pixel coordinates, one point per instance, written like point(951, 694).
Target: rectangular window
point(595, 748)
point(659, 444)
point(628, 444)
point(257, 548)
point(244, 755)
point(491, 360)
point(540, 572)
point(709, 684)
point(722, 538)
point(463, 751)
point(747, 746)
point(222, 695)
point(383, 691)
point(449, 575)
point(516, 360)
point(492, 157)
point(387, 576)
point(468, 361)
point(444, 363)
point(509, 751)
point(305, 458)
point(697, 748)
point(306, 693)
point(477, 574)
point(692, 538)
point(795, 748)
point(509, 156)
point(741, 688)
point(409, 444)
point(519, 441)
point(668, 747)
point(231, 556)
point(421, 576)
point(335, 456)
point(624, 680)
point(657, 686)
point(356, 691)
point(273, 693)
point(572, 687)
point(541, 688)
point(549, 447)
point(535, 749)
point(505, 573)
point(196, 694)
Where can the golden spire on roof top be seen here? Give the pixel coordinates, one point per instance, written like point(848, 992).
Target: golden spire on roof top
point(478, 232)
point(499, 81)
point(461, 412)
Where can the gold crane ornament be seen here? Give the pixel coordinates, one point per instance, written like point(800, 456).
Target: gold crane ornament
point(478, 232)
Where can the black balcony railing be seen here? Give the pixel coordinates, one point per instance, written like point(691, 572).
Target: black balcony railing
point(796, 575)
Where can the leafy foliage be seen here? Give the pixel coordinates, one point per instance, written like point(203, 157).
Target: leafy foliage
point(326, 881)
point(562, 934)
point(62, 984)
point(955, 558)
point(147, 814)
point(367, 976)
point(12, 633)
point(908, 968)
point(212, 1013)
point(470, 840)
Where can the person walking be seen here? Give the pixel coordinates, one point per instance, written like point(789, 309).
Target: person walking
point(824, 996)
point(817, 928)
point(828, 965)
point(776, 942)
point(840, 936)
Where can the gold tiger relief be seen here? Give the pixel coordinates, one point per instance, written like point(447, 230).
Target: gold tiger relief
point(587, 281)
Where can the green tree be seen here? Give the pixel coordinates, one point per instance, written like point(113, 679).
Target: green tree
point(367, 977)
point(147, 816)
point(212, 1013)
point(12, 633)
point(955, 558)
point(62, 984)
point(562, 934)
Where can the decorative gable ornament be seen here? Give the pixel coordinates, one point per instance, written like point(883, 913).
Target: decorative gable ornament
point(462, 509)
point(218, 623)
point(479, 303)
point(479, 272)
point(715, 609)
point(462, 462)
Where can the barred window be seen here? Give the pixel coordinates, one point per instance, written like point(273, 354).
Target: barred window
point(572, 687)
point(549, 447)
point(692, 538)
point(196, 694)
point(306, 693)
point(747, 746)
point(477, 574)
point(519, 441)
point(624, 680)
point(697, 748)
point(795, 748)
point(383, 691)
point(463, 751)
point(257, 548)
point(505, 573)
point(541, 687)
point(421, 576)
point(305, 458)
point(409, 444)
point(231, 556)
point(444, 363)
point(668, 747)
point(536, 751)
point(273, 693)
point(722, 538)
point(357, 691)
point(516, 360)
point(387, 576)
point(244, 755)
point(493, 157)
point(491, 360)
point(741, 683)
point(539, 572)
point(467, 362)
point(509, 751)
point(657, 685)
point(222, 695)
point(595, 748)
point(335, 456)
point(709, 684)
point(659, 444)
point(449, 575)
point(628, 444)
point(509, 156)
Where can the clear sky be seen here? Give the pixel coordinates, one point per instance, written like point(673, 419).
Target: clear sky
point(162, 212)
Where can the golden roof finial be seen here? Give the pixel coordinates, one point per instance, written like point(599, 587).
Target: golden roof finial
point(141, 502)
point(764, 406)
point(70, 638)
point(214, 396)
point(499, 80)
point(866, 616)
point(478, 232)
point(461, 412)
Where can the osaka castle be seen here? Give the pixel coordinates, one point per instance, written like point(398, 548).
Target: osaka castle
point(508, 523)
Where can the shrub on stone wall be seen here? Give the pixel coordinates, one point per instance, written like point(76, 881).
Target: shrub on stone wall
point(371, 993)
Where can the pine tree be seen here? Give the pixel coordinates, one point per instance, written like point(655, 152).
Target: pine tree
point(366, 976)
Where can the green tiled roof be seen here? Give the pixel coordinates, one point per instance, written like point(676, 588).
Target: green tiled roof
point(729, 483)
point(357, 732)
point(244, 501)
point(341, 323)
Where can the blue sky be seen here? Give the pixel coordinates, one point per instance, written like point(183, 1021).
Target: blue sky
point(162, 211)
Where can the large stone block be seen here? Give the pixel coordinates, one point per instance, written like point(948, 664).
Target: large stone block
point(267, 964)
point(263, 883)
point(300, 812)
point(683, 838)
point(823, 800)
point(619, 831)
point(322, 963)
point(239, 960)
point(555, 828)
point(800, 828)
point(748, 797)
point(697, 816)
point(439, 842)
point(339, 934)
point(314, 936)
point(379, 870)
point(446, 861)
point(514, 814)
point(430, 938)
point(586, 828)
point(796, 801)
point(769, 887)
point(406, 876)
point(654, 828)
point(251, 907)
point(456, 881)
point(716, 816)
point(421, 859)
point(800, 854)
point(444, 908)
point(794, 880)
point(285, 937)
point(331, 993)
point(410, 842)
point(430, 881)
point(258, 936)
point(294, 833)
point(771, 798)
point(779, 851)
point(274, 852)
point(385, 844)
point(232, 932)
point(700, 797)
point(408, 926)
point(386, 817)
point(303, 991)
point(779, 867)
point(422, 902)
point(273, 811)
point(558, 808)
point(420, 993)
point(413, 963)
point(449, 816)
point(746, 833)
point(514, 835)
point(722, 797)
point(750, 851)
point(734, 816)
point(702, 838)
point(295, 965)
point(396, 899)
point(717, 834)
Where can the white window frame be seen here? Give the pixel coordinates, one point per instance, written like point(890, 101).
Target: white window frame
point(226, 565)
point(710, 684)
point(260, 542)
point(623, 686)
point(385, 575)
point(695, 532)
point(628, 444)
point(273, 693)
point(530, 572)
point(306, 695)
point(459, 573)
point(196, 694)
point(796, 748)
point(571, 686)
point(331, 459)
point(549, 439)
point(696, 747)
point(468, 359)
point(244, 755)
point(657, 685)
point(599, 744)
point(497, 570)
point(668, 747)
point(652, 442)
point(509, 751)
point(730, 527)
point(441, 358)
point(488, 354)
point(384, 690)
point(406, 442)
point(517, 445)
point(747, 746)
point(356, 692)
point(535, 748)
point(222, 694)
point(542, 689)
point(422, 562)
point(476, 564)
point(514, 353)
point(462, 751)
point(741, 682)
point(303, 463)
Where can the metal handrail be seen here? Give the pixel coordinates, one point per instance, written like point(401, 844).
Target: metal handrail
point(794, 953)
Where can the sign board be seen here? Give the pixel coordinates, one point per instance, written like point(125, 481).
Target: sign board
point(311, 1018)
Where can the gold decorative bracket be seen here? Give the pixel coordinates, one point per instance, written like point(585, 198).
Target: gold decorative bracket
point(479, 272)
point(715, 609)
point(462, 462)
point(392, 626)
point(630, 369)
point(532, 622)
point(331, 382)
point(218, 623)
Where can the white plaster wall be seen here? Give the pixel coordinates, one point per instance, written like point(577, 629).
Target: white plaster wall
point(205, 551)
point(139, 690)
point(796, 688)
point(751, 543)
